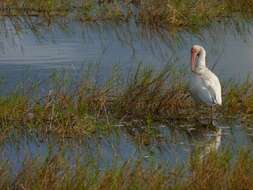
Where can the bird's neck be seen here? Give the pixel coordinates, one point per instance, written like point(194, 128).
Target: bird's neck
point(201, 62)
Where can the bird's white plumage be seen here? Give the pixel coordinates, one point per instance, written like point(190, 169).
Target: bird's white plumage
point(204, 84)
point(205, 87)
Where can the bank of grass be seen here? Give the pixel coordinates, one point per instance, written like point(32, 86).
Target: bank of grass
point(170, 14)
point(215, 171)
point(142, 98)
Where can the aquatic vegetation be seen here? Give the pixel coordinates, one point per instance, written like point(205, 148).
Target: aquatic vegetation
point(145, 97)
point(172, 15)
point(215, 171)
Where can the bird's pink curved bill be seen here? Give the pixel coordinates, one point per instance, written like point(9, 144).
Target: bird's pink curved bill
point(193, 60)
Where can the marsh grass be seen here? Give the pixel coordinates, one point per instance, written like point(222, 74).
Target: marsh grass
point(172, 15)
point(145, 97)
point(215, 171)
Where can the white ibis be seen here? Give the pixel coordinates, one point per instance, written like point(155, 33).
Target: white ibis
point(204, 85)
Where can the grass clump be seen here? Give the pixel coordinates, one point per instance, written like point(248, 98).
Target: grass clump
point(215, 171)
point(146, 96)
point(172, 15)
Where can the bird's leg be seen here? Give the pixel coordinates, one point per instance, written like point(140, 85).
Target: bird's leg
point(196, 115)
point(211, 116)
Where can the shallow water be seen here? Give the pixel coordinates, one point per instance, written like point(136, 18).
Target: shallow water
point(170, 145)
point(35, 55)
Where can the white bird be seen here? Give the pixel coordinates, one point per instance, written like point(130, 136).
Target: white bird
point(204, 85)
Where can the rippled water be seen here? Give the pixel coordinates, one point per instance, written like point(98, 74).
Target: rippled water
point(36, 54)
